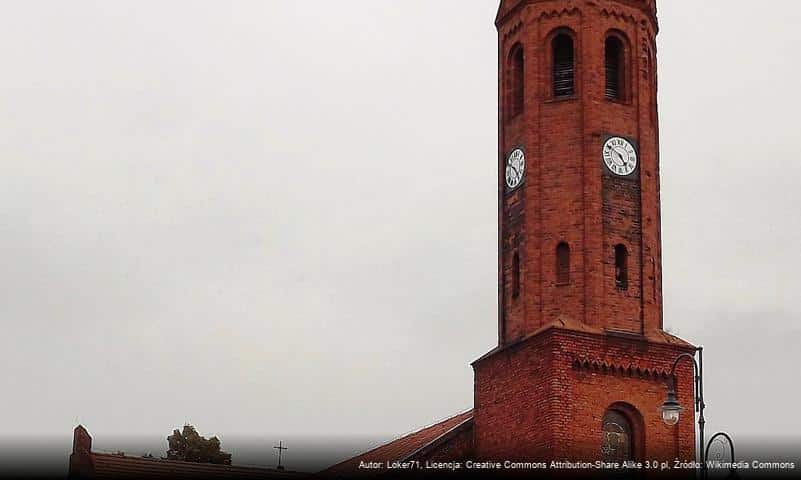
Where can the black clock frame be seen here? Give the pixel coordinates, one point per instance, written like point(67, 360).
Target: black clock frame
point(505, 160)
point(635, 174)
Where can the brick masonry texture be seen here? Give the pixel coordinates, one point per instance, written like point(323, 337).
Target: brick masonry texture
point(545, 397)
point(569, 352)
point(567, 197)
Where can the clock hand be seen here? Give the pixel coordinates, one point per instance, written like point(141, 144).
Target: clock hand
point(620, 158)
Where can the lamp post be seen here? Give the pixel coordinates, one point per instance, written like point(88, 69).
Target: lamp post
point(671, 408)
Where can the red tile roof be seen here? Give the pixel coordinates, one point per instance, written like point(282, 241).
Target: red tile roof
point(403, 448)
point(107, 465)
point(86, 463)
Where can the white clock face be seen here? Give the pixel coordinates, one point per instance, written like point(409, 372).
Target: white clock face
point(620, 156)
point(515, 168)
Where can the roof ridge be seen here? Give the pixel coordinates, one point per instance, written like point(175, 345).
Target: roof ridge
point(402, 437)
point(179, 462)
point(438, 422)
point(444, 434)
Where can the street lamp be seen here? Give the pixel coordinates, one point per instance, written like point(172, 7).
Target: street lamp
point(671, 408)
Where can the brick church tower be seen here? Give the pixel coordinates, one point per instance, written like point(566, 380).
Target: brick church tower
point(582, 363)
point(582, 359)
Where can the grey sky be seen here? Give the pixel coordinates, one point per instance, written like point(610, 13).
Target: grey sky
point(280, 216)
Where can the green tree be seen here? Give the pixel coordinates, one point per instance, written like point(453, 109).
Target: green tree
point(189, 446)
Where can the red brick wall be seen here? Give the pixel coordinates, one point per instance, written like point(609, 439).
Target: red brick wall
point(545, 397)
point(459, 447)
point(566, 196)
point(514, 414)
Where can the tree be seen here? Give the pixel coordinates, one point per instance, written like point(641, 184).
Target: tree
point(189, 446)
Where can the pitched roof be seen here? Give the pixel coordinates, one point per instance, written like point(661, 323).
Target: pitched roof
point(566, 323)
point(108, 465)
point(405, 447)
point(86, 463)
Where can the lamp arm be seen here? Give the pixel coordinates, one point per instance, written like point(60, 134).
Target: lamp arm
point(679, 358)
point(699, 399)
point(699, 402)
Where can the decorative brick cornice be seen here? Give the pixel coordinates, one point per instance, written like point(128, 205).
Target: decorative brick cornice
point(647, 6)
point(508, 7)
point(618, 15)
point(512, 31)
point(617, 368)
point(558, 13)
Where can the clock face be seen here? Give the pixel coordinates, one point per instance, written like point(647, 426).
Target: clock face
point(620, 156)
point(515, 168)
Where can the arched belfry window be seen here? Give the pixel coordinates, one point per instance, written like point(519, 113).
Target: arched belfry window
point(516, 275)
point(564, 66)
point(563, 264)
point(621, 267)
point(517, 83)
point(617, 439)
point(615, 68)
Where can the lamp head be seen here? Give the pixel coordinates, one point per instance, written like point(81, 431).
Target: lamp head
point(671, 409)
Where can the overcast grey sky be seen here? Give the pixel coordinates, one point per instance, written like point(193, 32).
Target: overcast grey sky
point(280, 216)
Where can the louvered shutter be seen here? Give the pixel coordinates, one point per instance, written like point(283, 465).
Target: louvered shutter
point(563, 67)
point(614, 87)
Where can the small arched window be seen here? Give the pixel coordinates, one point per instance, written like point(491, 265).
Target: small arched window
point(517, 85)
point(564, 68)
point(563, 264)
point(516, 275)
point(621, 267)
point(617, 443)
point(615, 68)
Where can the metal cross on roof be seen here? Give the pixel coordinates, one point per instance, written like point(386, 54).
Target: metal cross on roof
point(280, 447)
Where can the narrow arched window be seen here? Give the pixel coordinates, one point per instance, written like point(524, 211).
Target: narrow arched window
point(563, 264)
point(517, 85)
point(516, 275)
point(621, 267)
point(615, 68)
point(564, 68)
point(617, 437)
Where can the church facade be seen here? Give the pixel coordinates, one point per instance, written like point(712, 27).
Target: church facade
point(582, 361)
